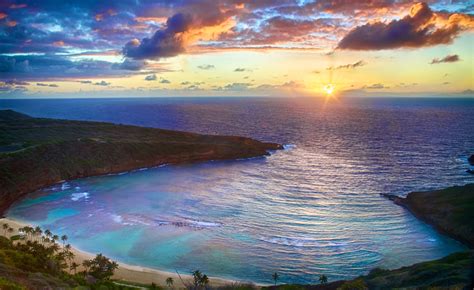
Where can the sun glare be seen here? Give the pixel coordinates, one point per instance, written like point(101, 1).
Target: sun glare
point(329, 89)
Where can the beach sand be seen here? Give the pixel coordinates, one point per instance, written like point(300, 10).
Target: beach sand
point(127, 272)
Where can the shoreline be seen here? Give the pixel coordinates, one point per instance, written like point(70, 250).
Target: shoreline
point(131, 273)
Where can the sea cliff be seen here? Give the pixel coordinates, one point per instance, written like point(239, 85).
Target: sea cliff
point(449, 210)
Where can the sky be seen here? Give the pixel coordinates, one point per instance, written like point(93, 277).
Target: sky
point(138, 48)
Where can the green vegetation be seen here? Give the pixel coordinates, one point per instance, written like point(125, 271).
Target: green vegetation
point(36, 152)
point(37, 261)
point(453, 272)
point(449, 210)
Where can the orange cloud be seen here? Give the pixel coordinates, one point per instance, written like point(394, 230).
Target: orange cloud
point(58, 43)
point(11, 23)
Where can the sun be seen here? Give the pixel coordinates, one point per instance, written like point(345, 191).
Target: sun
point(329, 89)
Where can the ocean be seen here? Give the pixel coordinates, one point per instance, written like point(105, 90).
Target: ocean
point(313, 208)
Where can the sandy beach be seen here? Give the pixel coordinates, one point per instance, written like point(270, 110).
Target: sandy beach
point(127, 272)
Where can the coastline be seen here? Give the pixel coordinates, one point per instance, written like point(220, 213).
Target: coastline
point(130, 273)
point(429, 207)
point(68, 149)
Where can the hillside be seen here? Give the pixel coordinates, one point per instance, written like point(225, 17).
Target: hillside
point(35, 152)
point(449, 210)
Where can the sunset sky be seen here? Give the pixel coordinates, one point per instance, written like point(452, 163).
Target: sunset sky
point(139, 48)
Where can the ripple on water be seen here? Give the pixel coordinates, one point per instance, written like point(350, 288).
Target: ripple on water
point(313, 208)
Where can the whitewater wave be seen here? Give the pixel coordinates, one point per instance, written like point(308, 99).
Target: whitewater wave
point(79, 195)
point(65, 186)
point(136, 219)
point(288, 146)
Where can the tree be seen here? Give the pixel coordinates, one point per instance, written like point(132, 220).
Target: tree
point(10, 231)
point(74, 267)
point(200, 279)
point(323, 279)
point(64, 239)
point(169, 282)
point(275, 277)
point(101, 267)
point(55, 238)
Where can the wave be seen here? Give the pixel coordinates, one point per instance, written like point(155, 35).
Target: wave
point(303, 242)
point(65, 186)
point(289, 146)
point(137, 219)
point(79, 195)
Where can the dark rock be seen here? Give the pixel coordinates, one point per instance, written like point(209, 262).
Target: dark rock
point(471, 159)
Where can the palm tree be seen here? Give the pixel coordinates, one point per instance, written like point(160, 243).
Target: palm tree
point(74, 267)
point(5, 228)
point(204, 280)
point(37, 231)
point(169, 282)
point(55, 238)
point(64, 239)
point(275, 277)
point(323, 279)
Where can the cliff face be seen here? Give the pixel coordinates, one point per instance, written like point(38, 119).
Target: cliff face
point(35, 153)
point(449, 210)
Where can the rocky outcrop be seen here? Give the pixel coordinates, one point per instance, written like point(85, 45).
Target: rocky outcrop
point(40, 152)
point(450, 210)
point(471, 159)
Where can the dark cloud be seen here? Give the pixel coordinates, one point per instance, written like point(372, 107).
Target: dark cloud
point(15, 83)
point(448, 58)
point(42, 67)
point(85, 82)
point(102, 83)
point(151, 77)
point(235, 87)
point(418, 29)
point(165, 42)
point(375, 87)
point(164, 81)
point(206, 67)
point(348, 66)
point(241, 69)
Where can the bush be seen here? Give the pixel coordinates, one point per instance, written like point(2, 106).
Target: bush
point(357, 284)
point(9, 285)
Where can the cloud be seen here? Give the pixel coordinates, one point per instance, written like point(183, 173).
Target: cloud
point(165, 42)
point(151, 77)
point(15, 83)
point(102, 83)
point(422, 27)
point(47, 85)
point(164, 81)
point(375, 87)
point(348, 66)
point(131, 64)
point(85, 82)
point(206, 67)
point(448, 58)
point(235, 87)
point(241, 69)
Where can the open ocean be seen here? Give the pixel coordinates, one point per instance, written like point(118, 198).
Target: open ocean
point(314, 208)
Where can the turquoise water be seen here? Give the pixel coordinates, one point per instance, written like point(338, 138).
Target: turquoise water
point(314, 208)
